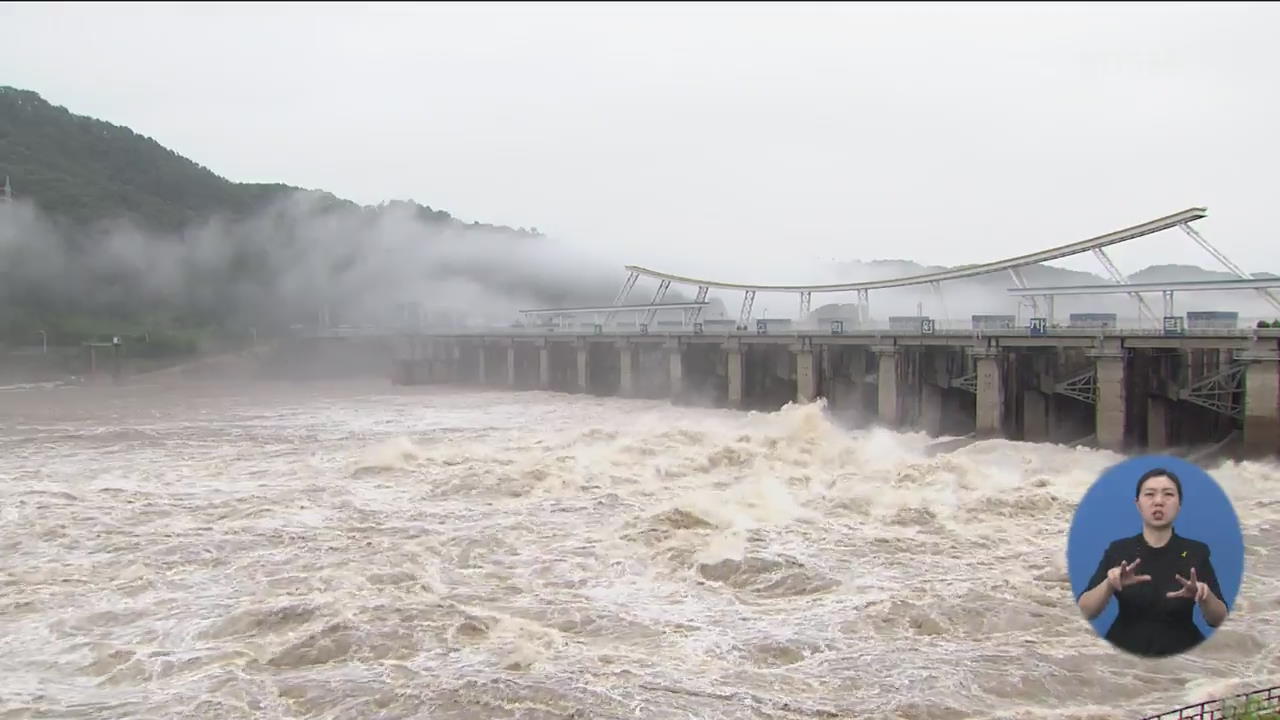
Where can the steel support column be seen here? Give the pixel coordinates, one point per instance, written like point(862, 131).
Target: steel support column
point(701, 297)
point(1120, 279)
point(621, 297)
point(1217, 254)
point(748, 299)
point(1022, 283)
point(657, 298)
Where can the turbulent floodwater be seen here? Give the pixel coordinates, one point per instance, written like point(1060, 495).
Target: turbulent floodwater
point(361, 551)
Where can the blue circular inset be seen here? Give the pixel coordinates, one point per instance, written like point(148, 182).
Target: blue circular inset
point(1108, 512)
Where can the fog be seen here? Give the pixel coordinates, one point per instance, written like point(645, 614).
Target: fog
point(290, 262)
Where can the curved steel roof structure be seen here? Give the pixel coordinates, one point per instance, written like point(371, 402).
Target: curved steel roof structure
point(1096, 243)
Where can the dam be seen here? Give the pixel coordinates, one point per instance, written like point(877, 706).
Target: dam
point(1115, 389)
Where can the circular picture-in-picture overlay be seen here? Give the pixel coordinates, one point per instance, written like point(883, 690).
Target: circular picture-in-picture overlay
point(1155, 555)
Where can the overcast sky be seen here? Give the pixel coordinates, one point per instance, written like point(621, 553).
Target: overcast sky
point(742, 142)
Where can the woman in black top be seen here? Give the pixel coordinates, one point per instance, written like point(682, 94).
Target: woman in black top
point(1157, 577)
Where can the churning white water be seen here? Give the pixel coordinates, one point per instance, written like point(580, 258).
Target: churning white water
point(362, 551)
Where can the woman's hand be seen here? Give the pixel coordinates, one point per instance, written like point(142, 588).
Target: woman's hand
point(1192, 589)
point(1122, 576)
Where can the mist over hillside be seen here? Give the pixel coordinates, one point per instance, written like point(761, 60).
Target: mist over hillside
point(110, 232)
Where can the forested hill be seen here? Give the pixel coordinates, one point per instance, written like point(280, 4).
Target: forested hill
point(111, 233)
point(83, 170)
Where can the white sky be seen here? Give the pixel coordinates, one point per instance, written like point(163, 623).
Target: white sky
point(741, 142)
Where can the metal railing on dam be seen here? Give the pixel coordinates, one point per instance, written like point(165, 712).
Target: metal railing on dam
point(543, 332)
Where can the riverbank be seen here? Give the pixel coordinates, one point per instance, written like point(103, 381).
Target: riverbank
point(22, 366)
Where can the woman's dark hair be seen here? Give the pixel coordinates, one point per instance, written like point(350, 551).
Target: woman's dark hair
point(1159, 472)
